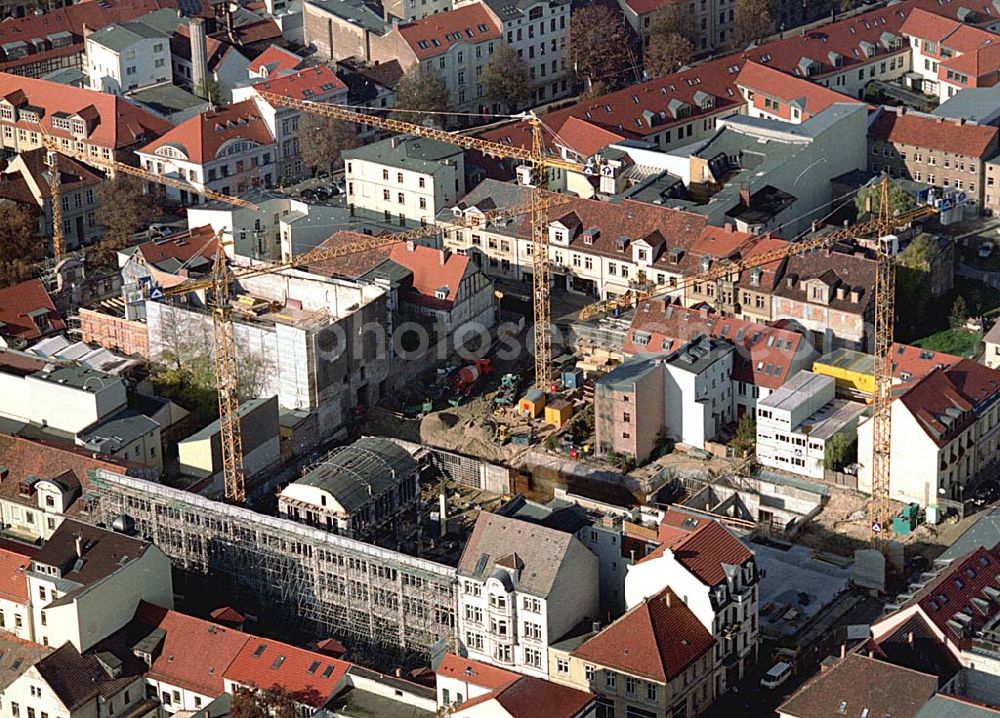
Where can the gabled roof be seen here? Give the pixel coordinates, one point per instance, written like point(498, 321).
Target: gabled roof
point(312, 83)
point(915, 645)
point(981, 63)
point(180, 255)
point(530, 697)
point(937, 133)
point(955, 35)
point(195, 653)
point(352, 265)
point(706, 550)
point(834, 269)
point(275, 61)
point(584, 138)
point(475, 672)
point(18, 302)
point(861, 683)
point(809, 97)
point(216, 50)
point(433, 270)
point(104, 552)
point(77, 679)
point(311, 678)
point(72, 174)
point(116, 123)
point(435, 34)
point(494, 537)
point(656, 639)
point(13, 581)
point(201, 137)
point(940, 409)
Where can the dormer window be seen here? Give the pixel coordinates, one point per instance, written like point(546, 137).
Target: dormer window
point(706, 263)
point(755, 276)
point(441, 292)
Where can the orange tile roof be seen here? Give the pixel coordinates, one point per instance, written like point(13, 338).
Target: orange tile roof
point(981, 63)
point(478, 674)
point(313, 83)
point(311, 678)
point(13, 582)
point(706, 548)
point(530, 697)
point(276, 60)
point(583, 138)
point(435, 34)
point(201, 137)
point(966, 139)
point(656, 639)
point(17, 301)
point(807, 96)
point(432, 269)
point(49, 460)
point(195, 653)
point(917, 362)
point(118, 124)
point(928, 25)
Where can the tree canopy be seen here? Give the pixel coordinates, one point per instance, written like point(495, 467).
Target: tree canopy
point(322, 139)
point(600, 48)
point(274, 702)
point(666, 53)
point(752, 20)
point(899, 200)
point(507, 79)
point(420, 94)
point(123, 209)
point(20, 245)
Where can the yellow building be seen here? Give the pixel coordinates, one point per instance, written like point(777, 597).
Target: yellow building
point(853, 371)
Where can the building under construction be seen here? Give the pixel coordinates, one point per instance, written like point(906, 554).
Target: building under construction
point(386, 605)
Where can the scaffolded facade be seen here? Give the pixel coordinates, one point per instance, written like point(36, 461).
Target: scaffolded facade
point(388, 604)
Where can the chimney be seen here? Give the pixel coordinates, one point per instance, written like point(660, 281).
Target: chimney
point(745, 195)
point(399, 672)
point(199, 57)
point(79, 545)
point(595, 626)
point(958, 121)
point(843, 650)
point(909, 637)
point(443, 512)
point(815, 225)
point(411, 245)
point(443, 256)
point(728, 226)
point(87, 31)
point(666, 598)
point(395, 141)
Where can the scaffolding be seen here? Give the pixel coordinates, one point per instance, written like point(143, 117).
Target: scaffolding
point(387, 605)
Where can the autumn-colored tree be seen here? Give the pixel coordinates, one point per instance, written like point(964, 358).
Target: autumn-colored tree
point(673, 19)
point(20, 246)
point(419, 95)
point(322, 139)
point(666, 53)
point(507, 79)
point(123, 209)
point(753, 19)
point(253, 702)
point(600, 48)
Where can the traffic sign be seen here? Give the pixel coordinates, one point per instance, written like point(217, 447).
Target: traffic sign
point(156, 294)
point(876, 527)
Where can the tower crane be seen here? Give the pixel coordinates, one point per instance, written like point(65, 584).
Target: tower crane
point(535, 156)
point(881, 227)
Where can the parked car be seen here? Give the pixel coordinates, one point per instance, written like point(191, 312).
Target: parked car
point(987, 493)
point(161, 230)
point(776, 675)
point(308, 193)
point(322, 193)
point(986, 250)
point(334, 190)
point(323, 174)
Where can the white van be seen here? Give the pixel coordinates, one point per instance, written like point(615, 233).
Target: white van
point(779, 673)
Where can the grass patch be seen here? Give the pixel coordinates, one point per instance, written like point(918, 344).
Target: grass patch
point(957, 342)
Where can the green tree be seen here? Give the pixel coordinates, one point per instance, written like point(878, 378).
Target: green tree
point(420, 94)
point(600, 48)
point(839, 451)
point(899, 200)
point(208, 89)
point(323, 139)
point(745, 440)
point(20, 246)
point(959, 313)
point(913, 266)
point(753, 19)
point(253, 702)
point(666, 53)
point(123, 209)
point(507, 79)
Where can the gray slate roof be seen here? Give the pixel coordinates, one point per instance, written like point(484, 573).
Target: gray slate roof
point(411, 153)
point(496, 538)
point(369, 462)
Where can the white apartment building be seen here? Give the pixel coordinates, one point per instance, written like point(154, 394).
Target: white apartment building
point(129, 56)
point(315, 84)
point(717, 576)
point(64, 398)
point(521, 588)
point(698, 390)
point(945, 433)
point(538, 31)
point(402, 181)
point(228, 150)
point(795, 423)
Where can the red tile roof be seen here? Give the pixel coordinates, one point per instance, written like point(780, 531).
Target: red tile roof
point(216, 50)
point(49, 460)
point(707, 548)
point(72, 19)
point(195, 653)
point(311, 678)
point(313, 83)
point(963, 138)
point(275, 61)
point(656, 639)
point(529, 697)
point(257, 32)
point(583, 138)
point(916, 362)
point(13, 582)
point(478, 674)
point(15, 304)
point(950, 33)
point(118, 123)
point(351, 265)
point(201, 137)
point(935, 400)
point(435, 34)
point(643, 7)
point(953, 593)
point(432, 269)
point(72, 174)
point(772, 83)
point(198, 241)
point(976, 382)
point(980, 66)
